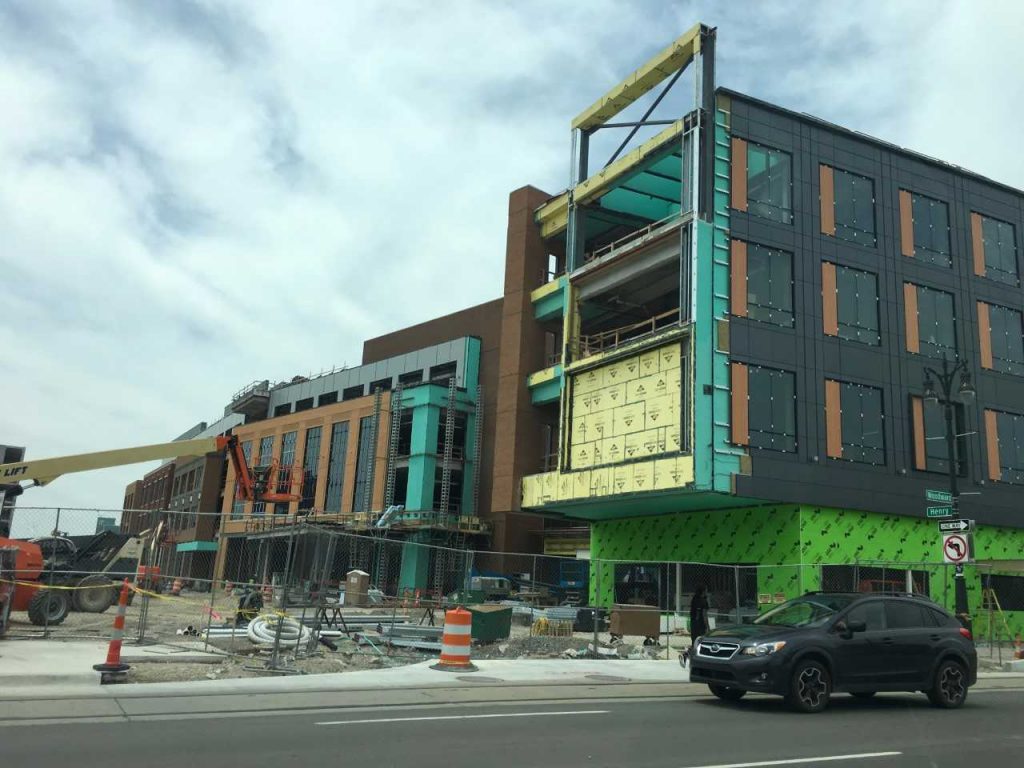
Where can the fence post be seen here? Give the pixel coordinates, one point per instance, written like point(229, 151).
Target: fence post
point(736, 581)
point(597, 603)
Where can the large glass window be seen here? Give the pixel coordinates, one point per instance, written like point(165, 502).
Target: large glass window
point(336, 467)
point(901, 614)
point(1000, 250)
point(857, 305)
point(769, 285)
point(287, 460)
point(360, 503)
point(310, 467)
point(855, 207)
point(862, 423)
point(259, 508)
point(931, 230)
point(935, 446)
point(769, 183)
point(1007, 339)
point(1010, 428)
point(238, 505)
point(936, 322)
point(771, 414)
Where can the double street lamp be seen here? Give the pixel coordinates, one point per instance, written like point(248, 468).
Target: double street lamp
point(947, 395)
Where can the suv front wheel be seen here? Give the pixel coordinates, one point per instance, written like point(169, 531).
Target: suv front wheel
point(810, 687)
point(949, 689)
point(726, 693)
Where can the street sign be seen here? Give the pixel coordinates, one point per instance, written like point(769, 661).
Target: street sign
point(955, 548)
point(944, 496)
point(956, 526)
point(940, 511)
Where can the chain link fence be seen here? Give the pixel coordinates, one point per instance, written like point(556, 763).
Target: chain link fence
point(193, 578)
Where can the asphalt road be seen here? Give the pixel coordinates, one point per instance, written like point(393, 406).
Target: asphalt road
point(665, 732)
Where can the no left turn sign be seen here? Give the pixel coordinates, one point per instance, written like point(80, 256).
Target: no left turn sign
point(955, 548)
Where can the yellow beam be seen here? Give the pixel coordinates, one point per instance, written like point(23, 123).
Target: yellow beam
point(675, 57)
point(553, 216)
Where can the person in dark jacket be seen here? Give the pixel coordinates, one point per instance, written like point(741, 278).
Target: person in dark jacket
point(699, 613)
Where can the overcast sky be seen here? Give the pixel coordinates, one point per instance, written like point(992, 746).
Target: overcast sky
point(195, 195)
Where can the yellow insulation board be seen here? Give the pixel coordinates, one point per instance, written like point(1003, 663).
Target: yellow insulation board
point(636, 477)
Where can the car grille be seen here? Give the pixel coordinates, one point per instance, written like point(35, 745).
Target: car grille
point(712, 650)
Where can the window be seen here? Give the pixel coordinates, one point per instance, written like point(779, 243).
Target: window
point(931, 230)
point(1007, 334)
point(238, 505)
point(266, 456)
point(772, 409)
point(854, 207)
point(327, 398)
point(384, 385)
point(336, 467)
point(1000, 246)
point(872, 613)
point(351, 393)
point(454, 492)
point(411, 378)
point(364, 483)
point(936, 323)
point(282, 410)
point(857, 306)
point(769, 183)
point(440, 374)
point(287, 460)
point(905, 615)
point(935, 447)
point(862, 419)
point(769, 285)
point(310, 467)
point(1010, 432)
point(303, 405)
point(458, 436)
point(404, 447)
point(401, 486)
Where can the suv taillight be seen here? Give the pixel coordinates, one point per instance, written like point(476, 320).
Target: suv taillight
point(966, 633)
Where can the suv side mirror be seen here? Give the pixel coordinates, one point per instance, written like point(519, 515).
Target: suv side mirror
point(856, 626)
point(845, 629)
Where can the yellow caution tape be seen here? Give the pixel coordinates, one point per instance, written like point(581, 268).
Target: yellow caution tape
point(44, 585)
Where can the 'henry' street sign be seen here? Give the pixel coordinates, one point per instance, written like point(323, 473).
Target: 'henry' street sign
point(956, 526)
point(940, 511)
point(943, 496)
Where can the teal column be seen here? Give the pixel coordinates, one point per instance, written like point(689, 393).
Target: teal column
point(422, 458)
point(467, 467)
point(415, 565)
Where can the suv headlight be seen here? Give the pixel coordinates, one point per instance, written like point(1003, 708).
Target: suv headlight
point(763, 649)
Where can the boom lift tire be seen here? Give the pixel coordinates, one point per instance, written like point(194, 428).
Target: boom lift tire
point(97, 597)
point(48, 607)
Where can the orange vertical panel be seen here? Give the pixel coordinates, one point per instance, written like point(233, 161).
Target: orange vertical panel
point(829, 299)
point(992, 445)
point(917, 409)
point(738, 186)
point(738, 278)
point(910, 317)
point(906, 224)
point(984, 335)
point(828, 200)
point(833, 420)
point(977, 245)
point(740, 404)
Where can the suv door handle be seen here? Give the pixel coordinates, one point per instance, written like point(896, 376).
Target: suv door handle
point(887, 641)
point(935, 638)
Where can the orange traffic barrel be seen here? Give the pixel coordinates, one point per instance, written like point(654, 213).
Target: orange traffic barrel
point(113, 669)
point(456, 641)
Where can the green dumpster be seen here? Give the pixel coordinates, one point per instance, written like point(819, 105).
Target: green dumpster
point(491, 622)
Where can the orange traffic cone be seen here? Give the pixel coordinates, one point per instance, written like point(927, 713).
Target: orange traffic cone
point(456, 641)
point(112, 669)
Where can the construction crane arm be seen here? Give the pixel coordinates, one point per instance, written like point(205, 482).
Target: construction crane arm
point(43, 471)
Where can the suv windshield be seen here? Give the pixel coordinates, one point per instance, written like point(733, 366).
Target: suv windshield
point(810, 611)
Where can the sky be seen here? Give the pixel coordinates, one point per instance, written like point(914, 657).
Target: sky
point(195, 195)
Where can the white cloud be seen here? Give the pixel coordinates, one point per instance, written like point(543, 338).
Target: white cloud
point(197, 195)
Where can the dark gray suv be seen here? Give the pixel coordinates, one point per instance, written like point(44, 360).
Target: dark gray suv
point(824, 643)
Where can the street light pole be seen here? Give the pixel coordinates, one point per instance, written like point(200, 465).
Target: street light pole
point(965, 391)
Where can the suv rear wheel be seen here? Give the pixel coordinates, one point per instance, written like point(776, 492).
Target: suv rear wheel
point(810, 687)
point(726, 693)
point(949, 689)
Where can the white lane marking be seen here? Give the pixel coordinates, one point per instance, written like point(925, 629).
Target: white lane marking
point(799, 760)
point(464, 717)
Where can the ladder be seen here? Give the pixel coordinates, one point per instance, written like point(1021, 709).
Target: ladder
point(478, 431)
point(990, 600)
point(371, 459)
point(396, 426)
point(446, 465)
